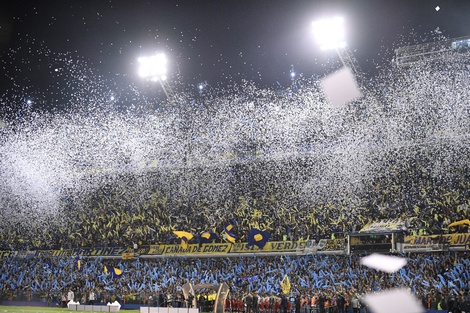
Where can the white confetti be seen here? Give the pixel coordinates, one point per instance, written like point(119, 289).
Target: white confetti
point(392, 301)
point(102, 137)
point(386, 263)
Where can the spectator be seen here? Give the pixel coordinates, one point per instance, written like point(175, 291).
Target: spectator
point(91, 297)
point(70, 296)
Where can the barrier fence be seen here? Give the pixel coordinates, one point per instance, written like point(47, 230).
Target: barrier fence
point(57, 299)
point(145, 303)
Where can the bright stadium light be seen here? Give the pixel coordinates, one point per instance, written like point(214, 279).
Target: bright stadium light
point(329, 33)
point(343, 86)
point(153, 67)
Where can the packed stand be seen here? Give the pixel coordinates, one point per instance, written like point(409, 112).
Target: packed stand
point(117, 215)
point(438, 274)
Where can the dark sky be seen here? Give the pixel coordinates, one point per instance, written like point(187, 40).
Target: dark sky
point(222, 40)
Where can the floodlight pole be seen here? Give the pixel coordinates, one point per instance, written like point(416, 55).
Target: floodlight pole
point(167, 89)
point(336, 41)
point(348, 60)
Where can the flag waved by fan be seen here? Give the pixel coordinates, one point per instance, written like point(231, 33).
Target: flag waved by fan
point(229, 234)
point(207, 237)
point(113, 271)
point(285, 285)
point(258, 238)
point(184, 236)
point(78, 261)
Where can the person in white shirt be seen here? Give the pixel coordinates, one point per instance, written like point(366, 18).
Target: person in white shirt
point(70, 296)
point(91, 297)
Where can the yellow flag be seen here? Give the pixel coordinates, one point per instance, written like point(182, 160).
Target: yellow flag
point(285, 285)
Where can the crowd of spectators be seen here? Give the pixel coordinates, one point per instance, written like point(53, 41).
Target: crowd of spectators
point(438, 274)
point(118, 214)
point(144, 207)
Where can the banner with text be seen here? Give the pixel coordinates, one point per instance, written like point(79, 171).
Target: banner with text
point(462, 239)
point(385, 226)
point(271, 246)
point(53, 253)
point(207, 248)
point(7, 254)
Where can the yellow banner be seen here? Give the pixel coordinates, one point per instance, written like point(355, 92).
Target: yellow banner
point(462, 239)
point(207, 248)
point(103, 251)
point(335, 244)
point(156, 249)
point(6, 254)
point(127, 256)
point(51, 253)
point(271, 246)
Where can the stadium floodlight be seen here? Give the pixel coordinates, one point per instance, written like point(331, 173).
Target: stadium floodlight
point(153, 67)
point(344, 85)
point(329, 33)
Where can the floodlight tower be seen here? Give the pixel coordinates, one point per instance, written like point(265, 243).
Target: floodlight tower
point(330, 35)
point(154, 68)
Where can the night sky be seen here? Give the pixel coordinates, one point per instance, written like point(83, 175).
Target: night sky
point(224, 41)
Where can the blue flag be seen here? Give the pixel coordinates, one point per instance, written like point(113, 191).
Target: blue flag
point(185, 237)
point(207, 237)
point(113, 271)
point(228, 229)
point(258, 238)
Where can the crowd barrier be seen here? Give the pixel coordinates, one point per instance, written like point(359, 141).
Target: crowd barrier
point(93, 308)
point(54, 299)
point(167, 310)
